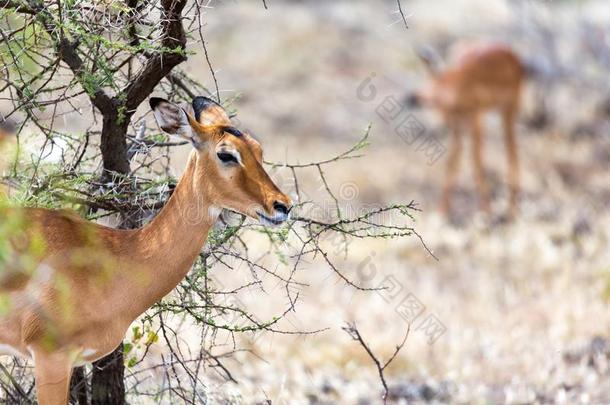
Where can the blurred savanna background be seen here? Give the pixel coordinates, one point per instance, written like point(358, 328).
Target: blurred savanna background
point(496, 311)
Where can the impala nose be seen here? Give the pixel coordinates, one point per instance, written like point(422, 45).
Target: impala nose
point(412, 100)
point(281, 208)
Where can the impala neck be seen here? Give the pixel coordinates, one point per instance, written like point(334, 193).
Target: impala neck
point(171, 242)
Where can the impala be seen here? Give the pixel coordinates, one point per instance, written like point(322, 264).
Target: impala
point(74, 286)
point(483, 77)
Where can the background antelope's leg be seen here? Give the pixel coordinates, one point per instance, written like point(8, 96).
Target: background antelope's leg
point(52, 373)
point(508, 120)
point(477, 159)
point(453, 164)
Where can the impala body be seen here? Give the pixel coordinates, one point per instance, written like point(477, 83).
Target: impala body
point(482, 78)
point(74, 287)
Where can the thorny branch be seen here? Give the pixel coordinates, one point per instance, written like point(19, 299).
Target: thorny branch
point(160, 64)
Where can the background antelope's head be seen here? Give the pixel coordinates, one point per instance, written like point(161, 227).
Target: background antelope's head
point(437, 90)
point(231, 160)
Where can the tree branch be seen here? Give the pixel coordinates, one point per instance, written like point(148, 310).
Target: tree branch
point(66, 50)
point(18, 6)
point(160, 64)
point(402, 14)
point(67, 53)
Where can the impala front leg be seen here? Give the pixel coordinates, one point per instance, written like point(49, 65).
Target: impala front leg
point(453, 164)
point(477, 158)
point(508, 118)
point(52, 371)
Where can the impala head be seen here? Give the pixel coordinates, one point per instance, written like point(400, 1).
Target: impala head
point(428, 94)
point(232, 161)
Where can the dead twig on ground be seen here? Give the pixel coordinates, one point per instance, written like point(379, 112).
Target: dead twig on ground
point(354, 333)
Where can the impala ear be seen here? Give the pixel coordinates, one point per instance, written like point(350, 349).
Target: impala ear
point(431, 58)
point(209, 113)
point(173, 120)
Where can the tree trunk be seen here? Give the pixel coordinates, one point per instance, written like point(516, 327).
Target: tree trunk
point(78, 387)
point(107, 384)
point(114, 144)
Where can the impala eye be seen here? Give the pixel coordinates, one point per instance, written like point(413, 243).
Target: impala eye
point(226, 157)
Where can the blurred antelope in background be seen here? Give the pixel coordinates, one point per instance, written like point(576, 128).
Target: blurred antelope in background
point(481, 78)
point(74, 287)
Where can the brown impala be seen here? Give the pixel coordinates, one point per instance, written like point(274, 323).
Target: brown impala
point(74, 287)
point(483, 77)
